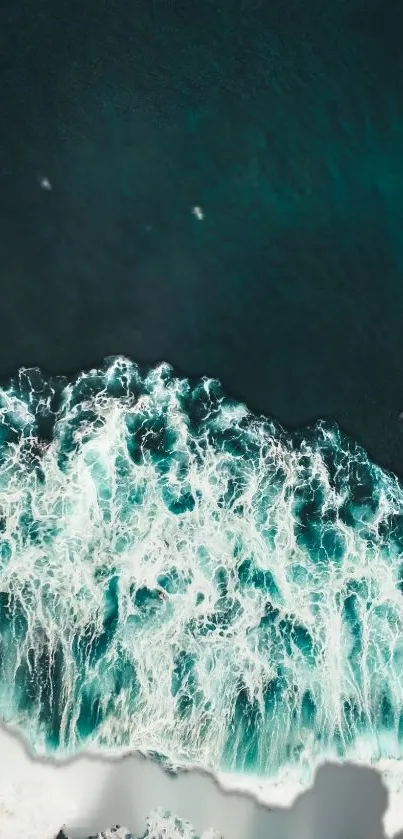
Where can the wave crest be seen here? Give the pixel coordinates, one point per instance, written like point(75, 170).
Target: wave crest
point(183, 578)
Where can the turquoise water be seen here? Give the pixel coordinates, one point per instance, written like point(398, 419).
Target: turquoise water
point(183, 578)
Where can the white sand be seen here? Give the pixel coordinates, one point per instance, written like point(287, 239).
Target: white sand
point(88, 794)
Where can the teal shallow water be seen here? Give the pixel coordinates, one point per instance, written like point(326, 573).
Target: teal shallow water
point(183, 578)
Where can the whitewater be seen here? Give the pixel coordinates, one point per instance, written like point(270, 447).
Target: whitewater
point(184, 579)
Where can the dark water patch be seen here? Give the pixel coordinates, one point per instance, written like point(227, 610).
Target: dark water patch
point(173, 581)
point(270, 618)
point(387, 712)
point(179, 501)
point(241, 752)
point(351, 617)
point(26, 684)
point(39, 688)
point(91, 714)
point(201, 403)
point(51, 666)
point(354, 720)
point(13, 616)
point(150, 436)
point(262, 580)
point(125, 675)
point(308, 710)
point(220, 621)
point(184, 684)
point(91, 644)
point(146, 600)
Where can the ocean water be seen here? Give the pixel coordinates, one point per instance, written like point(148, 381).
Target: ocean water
point(284, 123)
point(183, 578)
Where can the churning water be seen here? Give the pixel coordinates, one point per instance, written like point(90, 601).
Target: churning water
point(183, 578)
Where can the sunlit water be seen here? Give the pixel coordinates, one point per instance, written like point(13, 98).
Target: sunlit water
point(183, 578)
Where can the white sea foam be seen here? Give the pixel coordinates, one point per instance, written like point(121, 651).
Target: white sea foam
point(182, 578)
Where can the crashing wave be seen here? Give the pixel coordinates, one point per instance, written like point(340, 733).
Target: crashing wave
point(183, 578)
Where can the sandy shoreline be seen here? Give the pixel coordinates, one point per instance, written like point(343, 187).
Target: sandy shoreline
point(87, 794)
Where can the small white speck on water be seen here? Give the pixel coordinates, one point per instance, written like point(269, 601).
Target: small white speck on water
point(44, 183)
point(198, 213)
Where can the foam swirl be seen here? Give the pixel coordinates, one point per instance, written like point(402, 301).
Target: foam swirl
point(181, 577)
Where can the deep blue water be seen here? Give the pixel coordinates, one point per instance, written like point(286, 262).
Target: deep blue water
point(283, 122)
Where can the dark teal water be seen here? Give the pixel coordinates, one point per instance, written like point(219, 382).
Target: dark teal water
point(283, 121)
